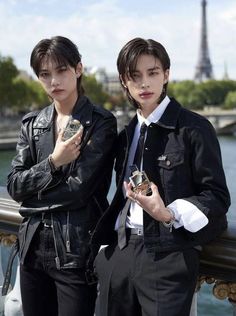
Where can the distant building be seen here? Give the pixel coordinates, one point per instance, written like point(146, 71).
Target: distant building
point(110, 82)
point(204, 67)
point(226, 75)
point(24, 75)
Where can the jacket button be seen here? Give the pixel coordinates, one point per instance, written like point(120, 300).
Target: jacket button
point(168, 162)
point(146, 148)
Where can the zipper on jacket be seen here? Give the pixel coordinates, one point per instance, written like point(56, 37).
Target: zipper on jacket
point(99, 207)
point(57, 259)
point(68, 232)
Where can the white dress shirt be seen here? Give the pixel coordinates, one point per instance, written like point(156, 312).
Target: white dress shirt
point(186, 213)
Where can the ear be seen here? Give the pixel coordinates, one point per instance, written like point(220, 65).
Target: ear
point(166, 76)
point(79, 69)
point(122, 82)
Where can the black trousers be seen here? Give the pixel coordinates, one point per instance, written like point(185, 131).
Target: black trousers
point(47, 291)
point(134, 283)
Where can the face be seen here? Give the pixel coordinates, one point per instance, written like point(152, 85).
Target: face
point(60, 81)
point(146, 83)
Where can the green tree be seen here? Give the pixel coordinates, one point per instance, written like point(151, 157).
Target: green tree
point(20, 99)
point(8, 72)
point(38, 96)
point(230, 100)
point(186, 92)
point(94, 90)
point(215, 91)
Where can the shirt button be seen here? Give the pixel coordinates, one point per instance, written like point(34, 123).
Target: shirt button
point(168, 162)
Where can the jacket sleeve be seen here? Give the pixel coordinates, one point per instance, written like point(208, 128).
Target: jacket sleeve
point(212, 195)
point(73, 189)
point(27, 176)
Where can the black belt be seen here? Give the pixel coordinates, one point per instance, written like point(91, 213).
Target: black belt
point(135, 231)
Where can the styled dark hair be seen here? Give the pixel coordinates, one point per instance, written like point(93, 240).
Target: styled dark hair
point(128, 57)
point(62, 50)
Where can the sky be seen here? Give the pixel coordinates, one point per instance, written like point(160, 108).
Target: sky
point(100, 29)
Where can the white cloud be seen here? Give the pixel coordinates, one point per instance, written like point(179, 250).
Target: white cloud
point(101, 28)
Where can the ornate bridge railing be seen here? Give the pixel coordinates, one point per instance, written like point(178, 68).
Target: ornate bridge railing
point(218, 259)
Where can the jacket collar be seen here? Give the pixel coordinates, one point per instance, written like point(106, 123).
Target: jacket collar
point(170, 117)
point(130, 128)
point(82, 111)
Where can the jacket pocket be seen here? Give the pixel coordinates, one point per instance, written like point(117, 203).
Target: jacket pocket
point(173, 171)
point(171, 160)
point(79, 237)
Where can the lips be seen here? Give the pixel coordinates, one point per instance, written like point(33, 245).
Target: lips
point(145, 94)
point(57, 90)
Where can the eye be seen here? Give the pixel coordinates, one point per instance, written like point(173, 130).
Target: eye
point(135, 75)
point(153, 73)
point(43, 74)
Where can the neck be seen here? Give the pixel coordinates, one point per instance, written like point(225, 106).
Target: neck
point(146, 112)
point(65, 107)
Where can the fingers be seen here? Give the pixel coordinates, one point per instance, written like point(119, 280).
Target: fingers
point(139, 196)
point(129, 192)
point(154, 188)
point(77, 135)
point(60, 135)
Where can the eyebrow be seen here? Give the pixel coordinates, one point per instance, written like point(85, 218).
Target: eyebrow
point(149, 69)
point(57, 67)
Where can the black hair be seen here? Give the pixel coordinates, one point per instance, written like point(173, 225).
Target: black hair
point(62, 50)
point(128, 57)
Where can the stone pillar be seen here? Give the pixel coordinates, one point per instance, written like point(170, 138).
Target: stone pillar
point(193, 311)
point(13, 303)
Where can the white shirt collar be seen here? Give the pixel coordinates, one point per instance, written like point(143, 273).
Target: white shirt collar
point(155, 115)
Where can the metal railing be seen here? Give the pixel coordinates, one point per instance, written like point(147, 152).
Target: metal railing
point(217, 262)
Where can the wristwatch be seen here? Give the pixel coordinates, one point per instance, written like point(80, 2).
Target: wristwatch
point(170, 223)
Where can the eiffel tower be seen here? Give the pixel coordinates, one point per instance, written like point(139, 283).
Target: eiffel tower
point(204, 66)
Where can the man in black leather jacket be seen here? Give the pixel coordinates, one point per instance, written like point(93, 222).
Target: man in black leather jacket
point(62, 186)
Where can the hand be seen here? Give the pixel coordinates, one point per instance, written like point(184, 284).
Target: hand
point(152, 204)
point(66, 151)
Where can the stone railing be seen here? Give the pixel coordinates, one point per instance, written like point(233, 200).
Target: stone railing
point(217, 265)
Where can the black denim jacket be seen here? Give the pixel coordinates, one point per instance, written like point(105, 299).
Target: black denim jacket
point(182, 157)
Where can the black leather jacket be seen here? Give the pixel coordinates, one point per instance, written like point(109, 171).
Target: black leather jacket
point(75, 196)
point(182, 157)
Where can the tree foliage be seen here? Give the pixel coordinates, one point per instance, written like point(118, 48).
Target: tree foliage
point(8, 72)
point(94, 90)
point(197, 95)
point(230, 100)
point(18, 94)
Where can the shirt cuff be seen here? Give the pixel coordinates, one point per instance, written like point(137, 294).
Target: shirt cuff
point(187, 215)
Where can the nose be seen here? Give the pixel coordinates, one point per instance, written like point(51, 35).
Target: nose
point(144, 84)
point(54, 81)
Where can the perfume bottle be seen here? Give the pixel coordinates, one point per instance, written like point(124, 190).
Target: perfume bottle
point(139, 181)
point(72, 127)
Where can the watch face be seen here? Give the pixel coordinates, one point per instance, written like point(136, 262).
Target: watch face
point(72, 128)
